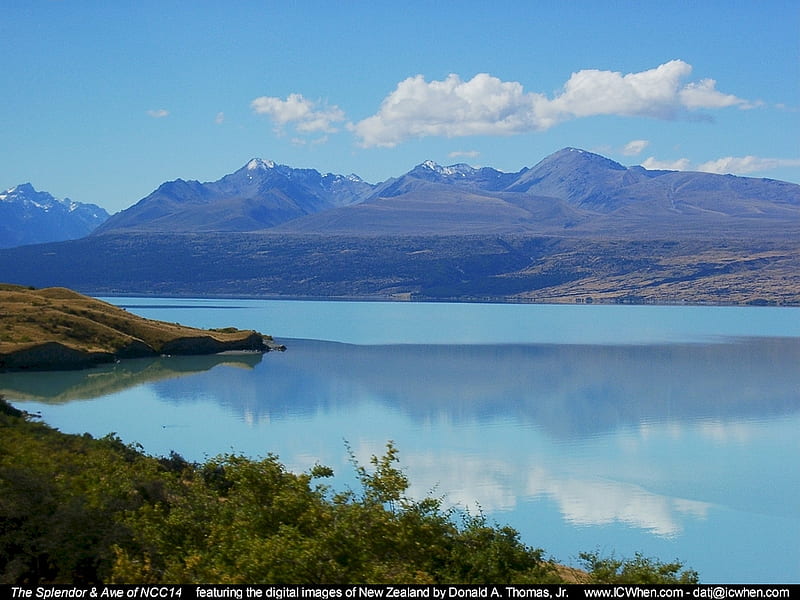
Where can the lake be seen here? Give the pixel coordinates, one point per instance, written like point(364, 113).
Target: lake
point(671, 431)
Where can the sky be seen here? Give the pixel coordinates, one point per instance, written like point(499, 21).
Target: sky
point(104, 101)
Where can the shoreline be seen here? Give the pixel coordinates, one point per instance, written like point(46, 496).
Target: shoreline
point(401, 298)
point(56, 329)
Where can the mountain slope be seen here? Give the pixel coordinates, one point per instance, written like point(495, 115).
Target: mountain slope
point(581, 178)
point(490, 267)
point(575, 227)
point(591, 181)
point(259, 195)
point(571, 192)
point(28, 216)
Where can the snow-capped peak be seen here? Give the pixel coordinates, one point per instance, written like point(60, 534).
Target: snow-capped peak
point(458, 170)
point(22, 189)
point(260, 163)
point(27, 196)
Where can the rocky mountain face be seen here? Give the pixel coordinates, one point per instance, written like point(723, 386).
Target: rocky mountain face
point(260, 195)
point(572, 192)
point(28, 216)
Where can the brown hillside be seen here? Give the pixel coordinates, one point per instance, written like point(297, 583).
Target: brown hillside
point(57, 328)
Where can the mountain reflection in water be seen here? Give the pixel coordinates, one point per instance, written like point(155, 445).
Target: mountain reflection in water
point(571, 391)
point(669, 449)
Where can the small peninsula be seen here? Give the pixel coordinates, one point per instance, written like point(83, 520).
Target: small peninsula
point(58, 329)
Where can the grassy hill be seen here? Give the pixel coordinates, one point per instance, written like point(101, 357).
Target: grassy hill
point(57, 328)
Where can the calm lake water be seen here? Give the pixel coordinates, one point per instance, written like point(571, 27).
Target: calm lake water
point(672, 431)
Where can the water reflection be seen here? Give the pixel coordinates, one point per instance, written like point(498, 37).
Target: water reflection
point(583, 500)
point(569, 391)
point(577, 444)
point(56, 387)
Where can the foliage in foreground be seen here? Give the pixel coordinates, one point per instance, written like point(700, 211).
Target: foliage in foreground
point(79, 509)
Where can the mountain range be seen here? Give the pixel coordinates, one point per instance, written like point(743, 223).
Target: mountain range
point(571, 191)
point(575, 227)
point(259, 195)
point(31, 217)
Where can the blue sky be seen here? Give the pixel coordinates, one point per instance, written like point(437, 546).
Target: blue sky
point(103, 101)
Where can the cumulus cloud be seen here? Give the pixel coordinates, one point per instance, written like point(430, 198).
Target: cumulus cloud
point(464, 154)
point(680, 164)
point(736, 165)
point(703, 94)
point(486, 105)
point(220, 118)
point(452, 107)
point(635, 147)
point(746, 164)
point(307, 116)
point(158, 113)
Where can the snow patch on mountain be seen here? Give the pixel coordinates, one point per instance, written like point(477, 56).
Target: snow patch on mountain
point(260, 163)
point(458, 170)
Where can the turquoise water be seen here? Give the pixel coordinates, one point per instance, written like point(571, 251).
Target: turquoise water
point(450, 323)
point(666, 430)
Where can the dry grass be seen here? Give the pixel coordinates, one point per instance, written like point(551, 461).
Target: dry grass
point(29, 317)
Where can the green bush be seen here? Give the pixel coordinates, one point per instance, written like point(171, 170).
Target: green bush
point(636, 570)
point(74, 509)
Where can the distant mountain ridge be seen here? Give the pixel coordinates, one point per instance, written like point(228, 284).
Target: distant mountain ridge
point(571, 191)
point(575, 227)
point(28, 216)
point(257, 196)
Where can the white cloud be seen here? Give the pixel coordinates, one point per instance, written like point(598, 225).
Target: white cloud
point(635, 147)
point(681, 164)
point(746, 164)
point(703, 94)
point(737, 165)
point(651, 93)
point(220, 118)
point(298, 141)
point(464, 154)
point(158, 113)
point(485, 105)
point(452, 107)
point(307, 116)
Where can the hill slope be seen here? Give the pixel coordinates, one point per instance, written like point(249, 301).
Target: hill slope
point(57, 328)
point(422, 267)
